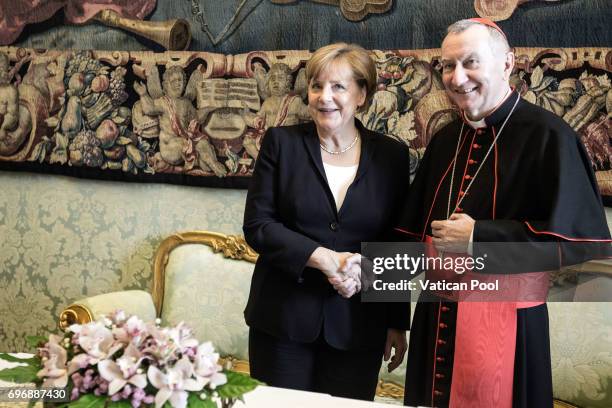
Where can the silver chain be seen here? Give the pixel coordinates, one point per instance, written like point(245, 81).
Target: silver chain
point(452, 180)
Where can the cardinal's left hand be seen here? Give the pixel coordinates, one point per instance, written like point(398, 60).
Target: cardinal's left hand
point(453, 235)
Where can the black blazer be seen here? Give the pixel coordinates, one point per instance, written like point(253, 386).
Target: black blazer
point(290, 211)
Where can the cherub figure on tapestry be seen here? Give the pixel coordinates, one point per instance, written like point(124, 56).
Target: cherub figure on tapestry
point(170, 115)
point(402, 82)
point(15, 119)
point(282, 105)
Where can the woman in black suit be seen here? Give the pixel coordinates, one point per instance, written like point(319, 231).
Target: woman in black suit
point(320, 189)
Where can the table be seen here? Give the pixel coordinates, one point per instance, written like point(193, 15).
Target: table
point(261, 397)
point(272, 397)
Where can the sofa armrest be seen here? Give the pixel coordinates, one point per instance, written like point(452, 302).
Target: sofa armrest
point(136, 302)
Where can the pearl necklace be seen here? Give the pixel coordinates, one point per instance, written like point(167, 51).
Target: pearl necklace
point(346, 149)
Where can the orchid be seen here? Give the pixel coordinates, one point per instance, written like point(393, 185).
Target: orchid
point(54, 369)
point(133, 330)
point(206, 365)
point(125, 370)
point(122, 359)
point(182, 336)
point(97, 341)
point(174, 384)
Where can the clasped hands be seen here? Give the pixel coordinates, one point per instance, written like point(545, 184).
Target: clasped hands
point(342, 269)
point(347, 279)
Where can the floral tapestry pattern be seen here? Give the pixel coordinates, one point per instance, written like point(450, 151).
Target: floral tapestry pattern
point(199, 118)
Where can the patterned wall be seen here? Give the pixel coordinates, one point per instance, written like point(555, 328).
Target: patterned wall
point(62, 239)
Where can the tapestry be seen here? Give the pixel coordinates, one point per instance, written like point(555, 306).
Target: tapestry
point(14, 18)
point(497, 10)
point(198, 118)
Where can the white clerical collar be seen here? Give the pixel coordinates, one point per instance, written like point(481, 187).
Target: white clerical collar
point(478, 124)
point(482, 123)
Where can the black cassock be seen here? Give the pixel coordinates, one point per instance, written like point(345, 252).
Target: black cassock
point(536, 185)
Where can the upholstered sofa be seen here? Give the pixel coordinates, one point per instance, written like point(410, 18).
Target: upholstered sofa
point(203, 278)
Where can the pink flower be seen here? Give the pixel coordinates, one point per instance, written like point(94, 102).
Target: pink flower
point(98, 343)
point(207, 367)
point(182, 336)
point(54, 371)
point(133, 330)
point(174, 384)
point(166, 344)
point(124, 371)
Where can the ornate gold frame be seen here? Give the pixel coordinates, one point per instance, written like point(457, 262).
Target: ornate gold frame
point(74, 314)
point(231, 246)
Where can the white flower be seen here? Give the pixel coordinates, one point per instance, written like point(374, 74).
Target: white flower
point(206, 366)
point(159, 345)
point(133, 330)
point(174, 384)
point(182, 336)
point(123, 371)
point(97, 341)
point(54, 370)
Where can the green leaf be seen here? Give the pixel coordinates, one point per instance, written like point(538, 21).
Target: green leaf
point(30, 361)
point(88, 401)
point(119, 404)
point(237, 385)
point(22, 374)
point(35, 341)
point(194, 401)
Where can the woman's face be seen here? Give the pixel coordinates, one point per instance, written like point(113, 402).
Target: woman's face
point(333, 98)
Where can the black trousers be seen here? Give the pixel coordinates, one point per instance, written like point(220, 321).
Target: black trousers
point(314, 366)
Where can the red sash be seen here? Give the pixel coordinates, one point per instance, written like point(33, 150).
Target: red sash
point(485, 337)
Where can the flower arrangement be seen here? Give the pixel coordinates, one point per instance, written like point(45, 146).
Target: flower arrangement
point(120, 361)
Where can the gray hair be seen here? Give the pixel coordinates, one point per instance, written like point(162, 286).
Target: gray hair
point(498, 39)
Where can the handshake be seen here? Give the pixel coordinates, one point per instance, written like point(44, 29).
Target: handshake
point(343, 269)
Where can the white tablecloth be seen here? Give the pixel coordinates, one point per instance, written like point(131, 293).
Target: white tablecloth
point(261, 397)
point(272, 397)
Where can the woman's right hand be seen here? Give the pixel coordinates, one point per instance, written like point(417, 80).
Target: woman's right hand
point(343, 269)
point(329, 262)
point(349, 282)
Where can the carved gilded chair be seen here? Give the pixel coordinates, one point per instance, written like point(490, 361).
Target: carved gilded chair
point(199, 277)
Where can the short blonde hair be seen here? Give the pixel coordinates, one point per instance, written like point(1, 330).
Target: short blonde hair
point(362, 66)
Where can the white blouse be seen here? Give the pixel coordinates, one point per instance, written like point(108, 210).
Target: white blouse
point(339, 179)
